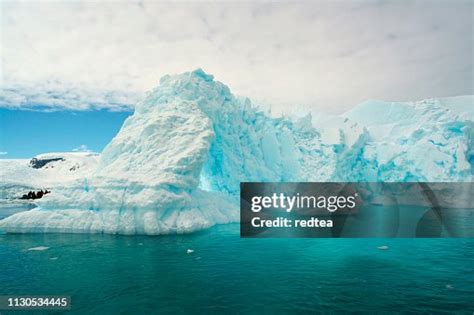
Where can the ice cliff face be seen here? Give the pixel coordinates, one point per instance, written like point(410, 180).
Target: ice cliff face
point(431, 140)
point(176, 164)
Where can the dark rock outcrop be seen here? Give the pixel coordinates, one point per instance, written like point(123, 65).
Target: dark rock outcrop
point(35, 195)
point(39, 163)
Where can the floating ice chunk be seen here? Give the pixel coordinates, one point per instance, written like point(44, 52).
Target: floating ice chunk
point(449, 287)
point(39, 248)
point(383, 247)
point(190, 251)
point(53, 258)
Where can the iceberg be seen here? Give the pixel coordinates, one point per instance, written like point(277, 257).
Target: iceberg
point(430, 140)
point(176, 164)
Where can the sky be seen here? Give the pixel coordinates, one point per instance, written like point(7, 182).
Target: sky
point(318, 56)
point(25, 134)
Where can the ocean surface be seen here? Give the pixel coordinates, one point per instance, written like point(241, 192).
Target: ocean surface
point(111, 274)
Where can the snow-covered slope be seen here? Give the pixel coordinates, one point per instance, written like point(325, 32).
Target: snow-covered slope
point(176, 164)
point(44, 171)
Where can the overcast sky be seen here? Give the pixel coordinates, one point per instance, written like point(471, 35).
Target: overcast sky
point(316, 55)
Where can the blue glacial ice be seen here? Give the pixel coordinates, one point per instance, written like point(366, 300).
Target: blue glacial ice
point(176, 164)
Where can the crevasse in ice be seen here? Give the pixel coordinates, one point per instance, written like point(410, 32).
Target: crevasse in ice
point(176, 164)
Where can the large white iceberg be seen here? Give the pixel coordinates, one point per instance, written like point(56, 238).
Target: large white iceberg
point(177, 162)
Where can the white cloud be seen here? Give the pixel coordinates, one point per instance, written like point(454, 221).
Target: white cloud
point(55, 95)
point(324, 55)
point(82, 148)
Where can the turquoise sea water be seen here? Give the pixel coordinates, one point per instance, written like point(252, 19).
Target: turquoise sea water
point(109, 274)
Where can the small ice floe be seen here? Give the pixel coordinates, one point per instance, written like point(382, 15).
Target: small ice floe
point(39, 248)
point(383, 247)
point(53, 258)
point(449, 287)
point(140, 244)
point(190, 251)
